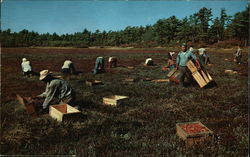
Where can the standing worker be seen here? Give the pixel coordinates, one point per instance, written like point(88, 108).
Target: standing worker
point(181, 62)
point(26, 68)
point(56, 89)
point(238, 55)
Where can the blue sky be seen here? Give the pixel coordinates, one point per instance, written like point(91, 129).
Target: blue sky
point(65, 16)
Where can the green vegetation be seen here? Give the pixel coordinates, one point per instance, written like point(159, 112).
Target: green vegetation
point(144, 125)
point(223, 31)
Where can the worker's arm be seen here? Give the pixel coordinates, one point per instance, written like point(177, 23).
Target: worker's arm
point(44, 94)
point(50, 95)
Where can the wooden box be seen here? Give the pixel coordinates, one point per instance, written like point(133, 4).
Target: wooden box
point(171, 72)
point(193, 132)
point(191, 66)
point(114, 100)
point(160, 80)
point(175, 77)
point(29, 107)
point(202, 78)
point(92, 82)
point(129, 80)
point(64, 112)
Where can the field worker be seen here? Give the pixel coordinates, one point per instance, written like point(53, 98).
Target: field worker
point(181, 62)
point(99, 65)
point(26, 67)
point(56, 89)
point(68, 67)
point(203, 57)
point(170, 62)
point(149, 62)
point(238, 55)
point(112, 62)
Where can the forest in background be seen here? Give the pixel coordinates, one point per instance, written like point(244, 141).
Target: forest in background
point(199, 28)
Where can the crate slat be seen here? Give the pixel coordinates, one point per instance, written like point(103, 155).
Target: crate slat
point(191, 66)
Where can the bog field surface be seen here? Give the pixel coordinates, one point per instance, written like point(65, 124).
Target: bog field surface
point(144, 125)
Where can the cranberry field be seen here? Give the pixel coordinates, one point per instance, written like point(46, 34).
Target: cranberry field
point(144, 125)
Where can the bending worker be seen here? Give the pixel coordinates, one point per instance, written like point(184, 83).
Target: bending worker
point(181, 62)
point(26, 67)
point(99, 65)
point(55, 89)
point(68, 67)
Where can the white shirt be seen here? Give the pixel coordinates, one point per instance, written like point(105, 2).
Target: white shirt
point(110, 58)
point(148, 59)
point(26, 66)
point(201, 51)
point(66, 64)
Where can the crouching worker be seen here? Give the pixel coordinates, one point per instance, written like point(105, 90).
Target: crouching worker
point(57, 90)
point(26, 68)
point(181, 62)
point(112, 62)
point(68, 67)
point(170, 62)
point(149, 62)
point(99, 65)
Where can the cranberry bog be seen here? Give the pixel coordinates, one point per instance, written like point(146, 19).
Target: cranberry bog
point(144, 125)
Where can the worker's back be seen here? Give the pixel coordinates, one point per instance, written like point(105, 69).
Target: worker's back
point(26, 66)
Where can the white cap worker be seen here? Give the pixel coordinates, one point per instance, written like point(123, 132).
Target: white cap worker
point(26, 67)
point(68, 67)
point(149, 61)
point(112, 62)
point(55, 88)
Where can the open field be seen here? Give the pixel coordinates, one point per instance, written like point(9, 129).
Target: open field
point(144, 126)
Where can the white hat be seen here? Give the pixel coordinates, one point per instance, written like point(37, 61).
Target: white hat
point(44, 74)
point(24, 59)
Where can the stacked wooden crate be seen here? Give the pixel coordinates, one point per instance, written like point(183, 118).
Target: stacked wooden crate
point(201, 76)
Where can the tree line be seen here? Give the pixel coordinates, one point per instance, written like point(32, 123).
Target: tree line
point(197, 28)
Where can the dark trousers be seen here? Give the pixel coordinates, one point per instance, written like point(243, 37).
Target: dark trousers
point(184, 73)
point(99, 66)
point(28, 73)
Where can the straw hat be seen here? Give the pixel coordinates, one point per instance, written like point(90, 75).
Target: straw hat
point(44, 74)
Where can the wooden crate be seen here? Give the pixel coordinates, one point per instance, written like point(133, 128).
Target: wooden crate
point(114, 100)
point(175, 77)
point(29, 107)
point(160, 80)
point(129, 80)
point(92, 82)
point(191, 66)
point(171, 72)
point(191, 135)
point(202, 78)
point(64, 112)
